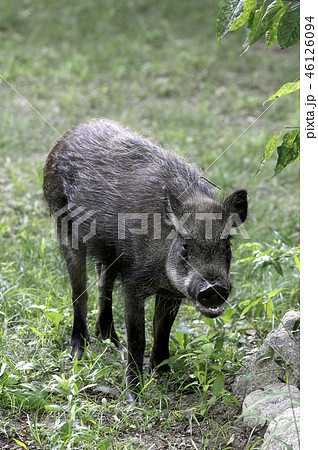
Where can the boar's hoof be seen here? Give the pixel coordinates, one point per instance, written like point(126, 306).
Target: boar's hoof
point(108, 333)
point(78, 347)
point(77, 352)
point(132, 397)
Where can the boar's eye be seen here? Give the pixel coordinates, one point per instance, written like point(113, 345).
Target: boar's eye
point(228, 250)
point(184, 251)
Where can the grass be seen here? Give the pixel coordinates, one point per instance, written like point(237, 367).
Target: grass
point(154, 66)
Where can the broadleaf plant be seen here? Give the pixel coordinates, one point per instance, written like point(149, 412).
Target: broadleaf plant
point(278, 22)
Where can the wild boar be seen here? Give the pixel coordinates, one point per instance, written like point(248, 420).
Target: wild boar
point(145, 215)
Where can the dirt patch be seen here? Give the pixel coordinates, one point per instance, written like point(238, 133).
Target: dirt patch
point(217, 429)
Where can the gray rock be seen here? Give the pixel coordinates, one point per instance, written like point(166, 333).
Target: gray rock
point(278, 354)
point(271, 407)
point(281, 430)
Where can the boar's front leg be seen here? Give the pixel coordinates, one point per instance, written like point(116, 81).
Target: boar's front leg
point(76, 267)
point(104, 323)
point(166, 310)
point(135, 326)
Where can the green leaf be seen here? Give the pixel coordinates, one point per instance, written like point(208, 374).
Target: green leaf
point(288, 151)
point(216, 367)
point(288, 31)
point(208, 349)
point(228, 313)
point(248, 307)
point(218, 384)
point(280, 361)
point(87, 438)
point(248, 7)
point(24, 365)
point(271, 33)
point(265, 22)
point(218, 344)
point(269, 150)
point(36, 331)
point(275, 292)
point(227, 15)
point(268, 355)
point(20, 443)
point(278, 268)
point(284, 90)
point(297, 261)
point(179, 336)
point(254, 22)
point(271, 36)
point(227, 400)
point(54, 316)
point(269, 308)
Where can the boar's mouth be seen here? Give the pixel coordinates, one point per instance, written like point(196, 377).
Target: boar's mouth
point(211, 302)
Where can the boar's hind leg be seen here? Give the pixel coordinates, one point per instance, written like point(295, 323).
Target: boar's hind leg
point(76, 266)
point(104, 323)
point(165, 312)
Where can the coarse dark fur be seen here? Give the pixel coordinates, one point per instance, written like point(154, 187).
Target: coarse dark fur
point(101, 173)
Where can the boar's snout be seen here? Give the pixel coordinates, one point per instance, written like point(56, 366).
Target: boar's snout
point(211, 299)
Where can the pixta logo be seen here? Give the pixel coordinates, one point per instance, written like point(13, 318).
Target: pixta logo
point(151, 225)
point(70, 220)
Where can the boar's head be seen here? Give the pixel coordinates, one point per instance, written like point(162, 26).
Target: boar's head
point(199, 258)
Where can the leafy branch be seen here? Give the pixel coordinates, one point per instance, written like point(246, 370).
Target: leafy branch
point(278, 22)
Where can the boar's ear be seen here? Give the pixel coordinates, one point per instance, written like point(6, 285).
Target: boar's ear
point(236, 203)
